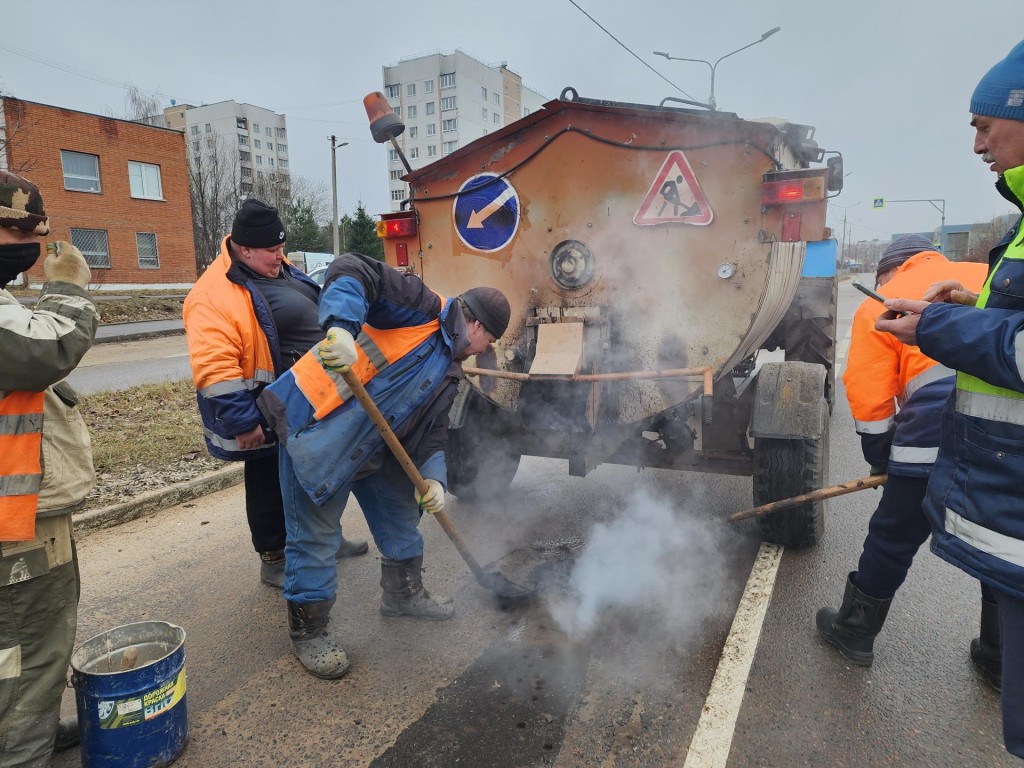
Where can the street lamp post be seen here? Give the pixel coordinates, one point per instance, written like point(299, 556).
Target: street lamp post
point(334, 191)
point(712, 105)
point(845, 208)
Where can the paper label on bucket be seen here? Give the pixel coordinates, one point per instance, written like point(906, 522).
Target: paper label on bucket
point(123, 713)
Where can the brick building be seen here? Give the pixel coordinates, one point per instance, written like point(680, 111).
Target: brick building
point(116, 189)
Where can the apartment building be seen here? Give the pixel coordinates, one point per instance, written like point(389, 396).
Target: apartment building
point(248, 142)
point(447, 100)
point(116, 189)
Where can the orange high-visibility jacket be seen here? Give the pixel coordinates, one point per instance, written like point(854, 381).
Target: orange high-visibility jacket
point(21, 435)
point(896, 393)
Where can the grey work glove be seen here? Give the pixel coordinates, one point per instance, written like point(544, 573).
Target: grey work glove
point(65, 262)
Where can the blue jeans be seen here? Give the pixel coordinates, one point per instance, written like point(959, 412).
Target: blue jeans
point(387, 499)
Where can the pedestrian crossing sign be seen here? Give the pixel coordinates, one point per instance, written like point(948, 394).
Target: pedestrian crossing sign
point(878, 202)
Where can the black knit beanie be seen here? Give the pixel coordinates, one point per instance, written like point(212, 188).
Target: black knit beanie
point(257, 225)
point(490, 307)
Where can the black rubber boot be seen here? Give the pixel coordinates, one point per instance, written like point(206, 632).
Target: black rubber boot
point(307, 627)
point(351, 548)
point(853, 628)
point(987, 650)
point(272, 568)
point(68, 735)
point(404, 593)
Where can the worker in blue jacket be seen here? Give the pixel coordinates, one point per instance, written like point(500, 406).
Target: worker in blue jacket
point(974, 501)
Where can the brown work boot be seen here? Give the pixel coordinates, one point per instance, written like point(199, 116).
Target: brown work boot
point(405, 595)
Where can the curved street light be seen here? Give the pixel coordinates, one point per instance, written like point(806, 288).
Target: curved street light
point(711, 99)
point(334, 191)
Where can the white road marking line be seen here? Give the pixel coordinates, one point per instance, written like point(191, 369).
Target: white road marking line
point(841, 351)
point(712, 740)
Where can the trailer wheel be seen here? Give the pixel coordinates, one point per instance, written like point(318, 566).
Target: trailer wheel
point(478, 458)
point(786, 468)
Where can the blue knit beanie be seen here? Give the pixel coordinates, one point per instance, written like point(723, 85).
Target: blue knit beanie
point(901, 249)
point(1001, 91)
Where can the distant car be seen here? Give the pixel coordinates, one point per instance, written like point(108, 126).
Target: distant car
point(317, 275)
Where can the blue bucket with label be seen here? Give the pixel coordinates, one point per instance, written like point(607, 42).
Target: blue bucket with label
point(130, 692)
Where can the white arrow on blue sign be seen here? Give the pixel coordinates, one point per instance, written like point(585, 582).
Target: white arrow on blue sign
point(486, 212)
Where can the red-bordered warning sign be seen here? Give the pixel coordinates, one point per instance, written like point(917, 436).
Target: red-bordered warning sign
point(675, 197)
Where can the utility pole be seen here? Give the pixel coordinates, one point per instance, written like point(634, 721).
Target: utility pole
point(334, 192)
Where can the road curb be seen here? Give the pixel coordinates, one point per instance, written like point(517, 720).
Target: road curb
point(153, 501)
point(141, 336)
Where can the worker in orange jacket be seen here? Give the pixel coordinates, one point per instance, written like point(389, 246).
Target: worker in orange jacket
point(896, 396)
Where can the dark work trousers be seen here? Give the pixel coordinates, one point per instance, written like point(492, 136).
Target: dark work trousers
point(897, 530)
point(1011, 621)
point(263, 506)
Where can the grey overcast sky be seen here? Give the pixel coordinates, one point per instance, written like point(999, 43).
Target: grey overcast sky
point(885, 82)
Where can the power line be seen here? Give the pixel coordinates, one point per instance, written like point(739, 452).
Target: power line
point(613, 37)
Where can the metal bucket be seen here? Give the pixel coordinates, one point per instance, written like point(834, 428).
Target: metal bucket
point(130, 692)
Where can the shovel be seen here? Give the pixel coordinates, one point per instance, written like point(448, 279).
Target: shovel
point(507, 593)
point(871, 481)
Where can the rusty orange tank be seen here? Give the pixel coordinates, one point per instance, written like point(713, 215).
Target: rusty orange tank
point(648, 253)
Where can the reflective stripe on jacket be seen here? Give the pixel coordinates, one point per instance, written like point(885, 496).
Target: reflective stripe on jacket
point(21, 435)
point(896, 393)
point(974, 499)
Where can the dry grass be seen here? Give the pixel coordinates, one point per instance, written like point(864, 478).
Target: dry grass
point(136, 308)
point(143, 438)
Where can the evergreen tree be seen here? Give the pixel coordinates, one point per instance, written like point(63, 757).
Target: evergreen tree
point(303, 232)
point(361, 235)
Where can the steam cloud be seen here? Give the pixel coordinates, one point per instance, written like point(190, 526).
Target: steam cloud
point(650, 568)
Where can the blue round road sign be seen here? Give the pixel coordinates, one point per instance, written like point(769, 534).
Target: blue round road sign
point(486, 212)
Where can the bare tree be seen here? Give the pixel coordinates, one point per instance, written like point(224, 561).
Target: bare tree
point(13, 126)
point(983, 238)
point(215, 186)
point(316, 194)
point(142, 107)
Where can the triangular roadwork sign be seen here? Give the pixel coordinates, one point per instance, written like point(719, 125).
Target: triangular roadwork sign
point(675, 197)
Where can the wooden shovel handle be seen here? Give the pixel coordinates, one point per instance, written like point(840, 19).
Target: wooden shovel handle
point(871, 481)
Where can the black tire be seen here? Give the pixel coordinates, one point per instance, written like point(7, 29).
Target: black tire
point(478, 458)
point(786, 468)
point(813, 339)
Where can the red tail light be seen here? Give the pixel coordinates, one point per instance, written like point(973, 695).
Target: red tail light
point(401, 225)
point(793, 191)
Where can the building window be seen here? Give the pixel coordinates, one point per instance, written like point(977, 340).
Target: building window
point(195, 130)
point(195, 147)
point(396, 175)
point(281, 148)
point(240, 122)
point(246, 187)
point(483, 93)
point(282, 164)
point(93, 245)
point(448, 126)
point(144, 180)
point(270, 146)
point(448, 81)
point(450, 146)
point(526, 111)
point(209, 128)
point(81, 171)
point(497, 118)
point(448, 102)
point(428, 86)
point(397, 194)
point(414, 153)
point(256, 143)
point(392, 156)
point(430, 107)
point(432, 150)
point(268, 131)
point(149, 256)
point(483, 112)
point(431, 129)
point(255, 127)
point(259, 159)
point(246, 172)
point(410, 111)
point(244, 156)
point(413, 132)
point(398, 111)
point(270, 162)
point(243, 141)
point(281, 133)
point(497, 97)
point(410, 89)
point(394, 91)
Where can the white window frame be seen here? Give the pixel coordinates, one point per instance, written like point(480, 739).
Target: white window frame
point(428, 86)
point(414, 132)
point(87, 182)
point(95, 258)
point(450, 126)
point(393, 91)
point(397, 195)
point(447, 81)
point(410, 111)
point(447, 103)
point(431, 129)
point(450, 146)
point(149, 262)
point(410, 89)
point(144, 181)
point(432, 150)
point(414, 153)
